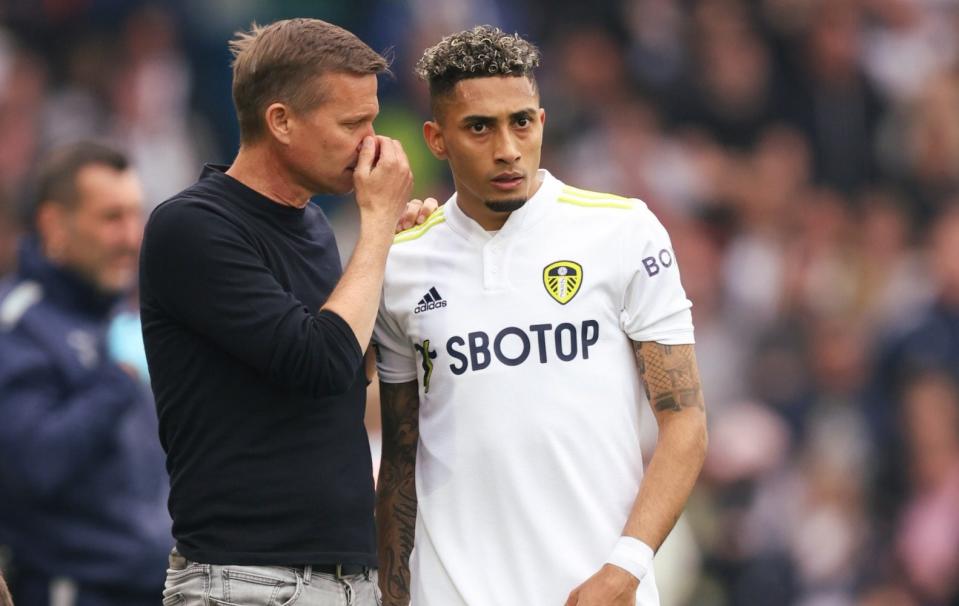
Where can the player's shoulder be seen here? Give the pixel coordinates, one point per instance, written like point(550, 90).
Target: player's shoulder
point(602, 206)
point(580, 197)
point(421, 235)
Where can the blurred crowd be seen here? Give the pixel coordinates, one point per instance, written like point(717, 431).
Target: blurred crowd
point(803, 154)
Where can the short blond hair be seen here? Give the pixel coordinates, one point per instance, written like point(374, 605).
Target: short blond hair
point(273, 63)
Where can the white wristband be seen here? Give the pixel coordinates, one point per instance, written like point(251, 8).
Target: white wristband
point(633, 556)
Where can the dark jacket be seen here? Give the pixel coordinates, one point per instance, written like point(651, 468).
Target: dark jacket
point(82, 482)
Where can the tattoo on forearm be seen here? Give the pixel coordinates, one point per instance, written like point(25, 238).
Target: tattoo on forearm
point(670, 376)
point(396, 491)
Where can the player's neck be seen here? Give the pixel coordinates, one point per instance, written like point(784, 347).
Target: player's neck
point(262, 172)
point(477, 210)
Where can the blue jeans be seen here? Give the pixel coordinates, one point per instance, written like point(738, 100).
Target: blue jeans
point(194, 584)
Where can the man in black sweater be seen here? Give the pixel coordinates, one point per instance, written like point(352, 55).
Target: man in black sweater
point(255, 340)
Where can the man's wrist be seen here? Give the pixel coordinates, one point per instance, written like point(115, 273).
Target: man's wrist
point(378, 226)
point(633, 556)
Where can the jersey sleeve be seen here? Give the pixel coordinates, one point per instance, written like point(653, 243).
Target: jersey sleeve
point(655, 307)
point(395, 358)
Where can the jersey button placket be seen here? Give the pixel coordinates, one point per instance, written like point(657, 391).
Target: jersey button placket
point(494, 271)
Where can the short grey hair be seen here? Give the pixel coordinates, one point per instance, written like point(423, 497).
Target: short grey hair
point(480, 52)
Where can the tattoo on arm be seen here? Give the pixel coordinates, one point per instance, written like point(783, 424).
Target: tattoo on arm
point(670, 376)
point(396, 490)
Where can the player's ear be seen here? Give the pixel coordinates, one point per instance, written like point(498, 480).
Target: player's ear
point(433, 134)
point(542, 117)
point(52, 225)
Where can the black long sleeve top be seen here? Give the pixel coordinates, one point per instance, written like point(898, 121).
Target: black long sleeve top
point(260, 395)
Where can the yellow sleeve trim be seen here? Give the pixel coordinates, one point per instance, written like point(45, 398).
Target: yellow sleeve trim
point(594, 203)
point(590, 195)
point(416, 232)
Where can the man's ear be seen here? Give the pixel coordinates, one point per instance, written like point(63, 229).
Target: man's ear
point(433, 134)
point(51, 222)
point(279, 122)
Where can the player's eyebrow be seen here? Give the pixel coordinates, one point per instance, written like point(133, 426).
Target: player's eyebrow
point(528, 113)
point(476, 119)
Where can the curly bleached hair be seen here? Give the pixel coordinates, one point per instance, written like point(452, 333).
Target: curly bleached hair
point(476, 53)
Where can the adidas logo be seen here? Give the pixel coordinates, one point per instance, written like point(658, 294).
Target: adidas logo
point(431, 300)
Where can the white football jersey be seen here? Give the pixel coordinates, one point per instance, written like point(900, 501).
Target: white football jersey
point(528, 460)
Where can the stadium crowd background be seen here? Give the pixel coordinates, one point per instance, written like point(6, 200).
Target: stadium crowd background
point(804, 155)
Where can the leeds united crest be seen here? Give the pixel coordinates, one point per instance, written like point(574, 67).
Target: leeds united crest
point(562, 280)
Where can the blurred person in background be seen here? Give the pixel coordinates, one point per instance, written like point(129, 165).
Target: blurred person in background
point(833, 102)
point(930, 340)
point(657, 51)
point(730, 94)
point(81, 471)
point(590, 76)
point(150, 99)
point(893, 283)
point(925, 158)
point(23, 78)
point(927, 537)
point(528, 485)
point(907, 42)
point(763, 193)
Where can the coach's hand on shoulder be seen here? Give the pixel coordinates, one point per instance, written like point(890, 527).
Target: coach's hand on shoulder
point(382, 180)
point(417, 211)
point(611, 586)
